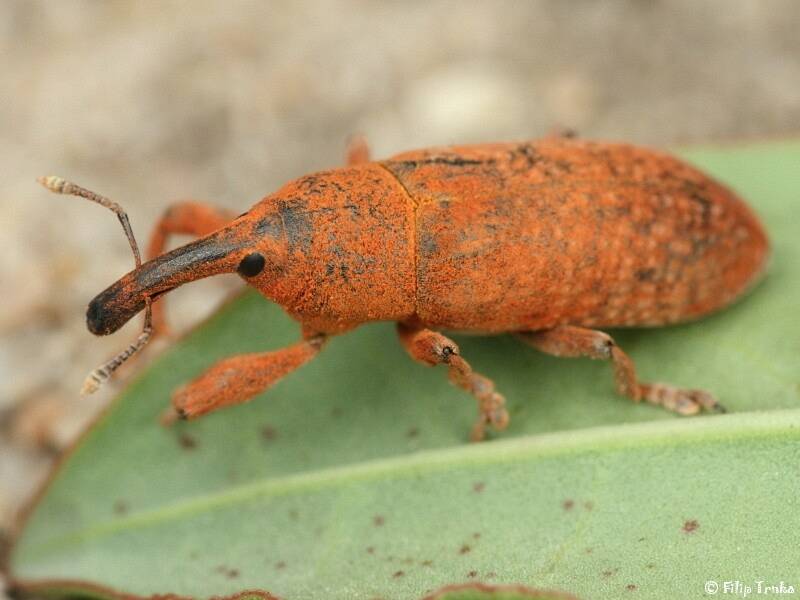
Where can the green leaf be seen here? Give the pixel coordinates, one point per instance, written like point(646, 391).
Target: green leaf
point(352, 479)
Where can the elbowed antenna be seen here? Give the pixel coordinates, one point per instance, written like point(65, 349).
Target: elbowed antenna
point(103, 373)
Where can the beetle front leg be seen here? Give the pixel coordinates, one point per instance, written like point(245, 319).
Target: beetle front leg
point(187, 218)
point(571, 342)
point(237, 379)
point(431, 348)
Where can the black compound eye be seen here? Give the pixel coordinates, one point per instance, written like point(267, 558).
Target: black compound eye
point(251, 265)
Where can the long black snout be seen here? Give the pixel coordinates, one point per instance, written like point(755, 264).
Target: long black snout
point(117, 304)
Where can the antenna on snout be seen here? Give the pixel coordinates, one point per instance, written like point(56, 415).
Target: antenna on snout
point(103, 373)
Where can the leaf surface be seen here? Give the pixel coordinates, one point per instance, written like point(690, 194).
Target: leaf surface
point(352, 479)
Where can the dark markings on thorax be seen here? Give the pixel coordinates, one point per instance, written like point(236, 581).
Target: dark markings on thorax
point(296, 223)
point(270, 225)
point(454, 161)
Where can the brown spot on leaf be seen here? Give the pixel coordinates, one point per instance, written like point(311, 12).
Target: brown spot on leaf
point(378, 520)
point(427, 563)
point(478, 487)
point(472, 574)
point(465, 549)
point(690, 526)
point(398, 574)
point(187, 442)
point(476, 536)
point(370, 549)
point(589, 550)
point(568, 504)
point(227, 572)
point(412, 433)
point(609, 572)
point(280, 565)
point(120, 507)
point(650, 566)
point(631, 587)
point(269, 433)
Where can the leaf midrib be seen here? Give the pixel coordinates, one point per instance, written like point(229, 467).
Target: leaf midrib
point(774, 425)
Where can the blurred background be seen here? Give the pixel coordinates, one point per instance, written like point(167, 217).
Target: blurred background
point(150, 102)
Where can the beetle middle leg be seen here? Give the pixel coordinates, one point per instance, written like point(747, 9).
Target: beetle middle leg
point(572, 342)
point(186, 218)
point(237, 379)
point(431, 348)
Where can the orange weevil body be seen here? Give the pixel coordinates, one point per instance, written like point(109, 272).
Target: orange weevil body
point(548, 240)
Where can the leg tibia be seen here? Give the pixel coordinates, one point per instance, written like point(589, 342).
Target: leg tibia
point(237, 379)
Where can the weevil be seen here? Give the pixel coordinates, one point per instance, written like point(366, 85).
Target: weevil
point(550, 240)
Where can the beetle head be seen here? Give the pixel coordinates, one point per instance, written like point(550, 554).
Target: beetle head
point(251, 245)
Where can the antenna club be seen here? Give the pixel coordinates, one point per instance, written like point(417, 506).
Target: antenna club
point(55, 184)
point(90, 385)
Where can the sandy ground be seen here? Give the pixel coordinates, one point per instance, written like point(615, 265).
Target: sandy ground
point(149, 102)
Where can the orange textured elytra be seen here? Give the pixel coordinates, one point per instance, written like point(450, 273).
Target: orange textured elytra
point(546, 239)
point(529, 236)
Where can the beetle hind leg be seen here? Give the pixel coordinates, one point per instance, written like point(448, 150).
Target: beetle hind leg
point(431, 348)
point(572, 342)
